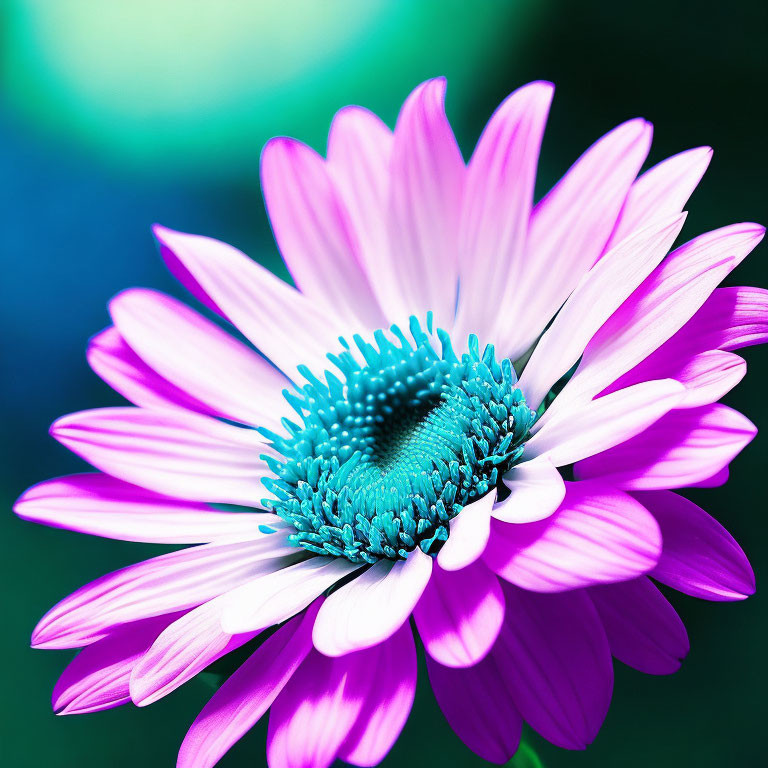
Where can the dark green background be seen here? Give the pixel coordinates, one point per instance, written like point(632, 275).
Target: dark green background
point(92, 151)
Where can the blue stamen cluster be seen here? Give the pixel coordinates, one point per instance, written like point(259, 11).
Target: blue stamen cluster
point(384, 459)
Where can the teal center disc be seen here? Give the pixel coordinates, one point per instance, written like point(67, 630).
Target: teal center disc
point(386, 457)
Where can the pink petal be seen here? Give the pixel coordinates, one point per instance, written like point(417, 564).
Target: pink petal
point(314, 233)
point(274, 597)
point(659, 308)
point(554, 655)
point(171, 582)
point(598, 536)
point(118, 365)
point(600, 424)
point(497, 206)
point(316, 711)
point(280, 322)
point(372, 606)
point(643, 629)
point(729, 319)
point(182, 650)
point(200, 358)
point(247, 694)
point(359, 154)
point(569, 229)
point(460, 614)
point(477, 704)
point(388, 704)
point(97, 678)
point(425, 202)
point(661, 191)
point(100, 505)
point(684, 447)
point(469, 532)
point(596, 297)
point(706, 376)
point(179, 454)
point(700, 557)
point(536, 490)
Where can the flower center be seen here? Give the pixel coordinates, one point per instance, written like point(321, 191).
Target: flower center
point(387, 458)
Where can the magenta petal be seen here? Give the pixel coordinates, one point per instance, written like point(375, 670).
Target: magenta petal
point(118, 365)
point(247, 694)
point(684, 447)
point(496, 208)
point(314, 233)
point(283, 324)
point(460, 614)
point(643, 629)
point(316, 711)
point(571, 225)
point(200, 358)
point(700, 557)
point(662, 190)
point(97, 678)
point(169, 451)
point(477, 703)
point(598, 535)
point(182, 650)
point(101, 505)
point(554, 655)
point(427, 179)
point(171, 582)
point(388, 704)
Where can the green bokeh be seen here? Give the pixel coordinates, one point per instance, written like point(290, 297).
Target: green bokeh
point(113, 114)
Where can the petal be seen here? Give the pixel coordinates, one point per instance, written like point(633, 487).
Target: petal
point(388, 703)
point(554, 655)
point(659, 308)
point(171, 582)
point(371, 607)
point(424, 205)
point(200, 358)
point(700, 557)
point(118, 365)
point(599, 424)
point(469, 532)
point(274, 597)
point(684, 447)
point(478, 706)
point(101, 505)
point(316, 711)
point(359, 154)
point(247, 694)
point(97, 678)
point(599, 535)
point(286, 326)
point(314, 233)
point(179, 454)
point(460, 614)
point(706, 376)
point(536, 490)
point(597, 296)
point(643, 629)
point(569, 229)
point(729, 319)
point(497, 206)
point(662, 190)
point(182, 650)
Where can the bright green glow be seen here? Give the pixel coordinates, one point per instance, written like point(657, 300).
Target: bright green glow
point(206, 83)
point(384, 461)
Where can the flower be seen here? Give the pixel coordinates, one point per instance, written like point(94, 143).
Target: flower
point(393, 464)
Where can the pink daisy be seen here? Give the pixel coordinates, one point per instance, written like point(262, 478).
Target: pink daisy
point(392, 463)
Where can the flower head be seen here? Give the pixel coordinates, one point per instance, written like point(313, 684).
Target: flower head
point(471, 411)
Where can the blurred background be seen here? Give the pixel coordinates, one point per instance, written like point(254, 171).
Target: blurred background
point(114, 115)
